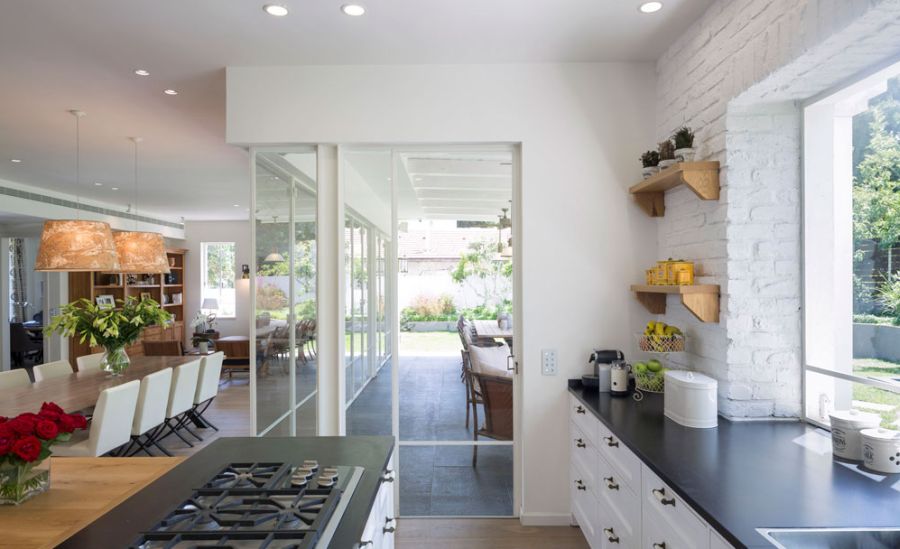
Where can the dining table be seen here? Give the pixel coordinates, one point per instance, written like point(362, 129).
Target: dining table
point(490, 329)
point(80, 390)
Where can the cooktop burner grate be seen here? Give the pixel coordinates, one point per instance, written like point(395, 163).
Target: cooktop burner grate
point(254, 505)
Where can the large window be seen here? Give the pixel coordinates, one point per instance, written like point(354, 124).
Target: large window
point(218, 275)
point(851, 245)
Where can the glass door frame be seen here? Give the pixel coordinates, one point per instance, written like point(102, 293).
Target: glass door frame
point(294, 406)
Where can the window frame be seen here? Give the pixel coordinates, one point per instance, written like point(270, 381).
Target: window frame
point(204, 246)
point(868, 77)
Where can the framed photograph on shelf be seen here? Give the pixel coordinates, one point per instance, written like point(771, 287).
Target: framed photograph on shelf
point(145, 296)
point(106, 301)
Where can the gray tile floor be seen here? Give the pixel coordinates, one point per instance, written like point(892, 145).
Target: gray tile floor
point(435, 480)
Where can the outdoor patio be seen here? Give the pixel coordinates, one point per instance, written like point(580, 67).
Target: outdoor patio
point(435, 480)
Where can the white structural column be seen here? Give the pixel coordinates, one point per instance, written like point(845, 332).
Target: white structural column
point(4, 299)
point(330, 285)
point(56, 347)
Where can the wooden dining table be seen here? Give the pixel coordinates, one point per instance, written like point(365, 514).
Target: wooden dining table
point(489, 329)
point(78, 391)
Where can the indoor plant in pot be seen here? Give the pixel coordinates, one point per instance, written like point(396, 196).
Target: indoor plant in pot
point(650, 161)
point(666, 154)
point(110, 328)
point(684, 144)
point(25, 442)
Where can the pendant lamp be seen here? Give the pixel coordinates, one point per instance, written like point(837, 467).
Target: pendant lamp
point(74, 245)
point(140, 252)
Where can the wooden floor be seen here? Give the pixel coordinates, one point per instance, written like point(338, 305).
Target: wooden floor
point(484, 534)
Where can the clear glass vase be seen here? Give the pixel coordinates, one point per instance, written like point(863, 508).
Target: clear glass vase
point(115, 361)
point(21, 482)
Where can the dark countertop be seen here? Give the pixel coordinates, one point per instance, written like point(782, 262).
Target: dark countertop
point(741, 476)
point(122, 525)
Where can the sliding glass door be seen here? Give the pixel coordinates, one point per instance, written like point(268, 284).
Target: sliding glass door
point(284, 292)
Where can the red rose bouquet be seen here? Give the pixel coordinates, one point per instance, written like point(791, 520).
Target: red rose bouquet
point(25, 442)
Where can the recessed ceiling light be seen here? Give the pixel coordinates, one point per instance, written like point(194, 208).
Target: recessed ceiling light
point(236, 205)
point(650, 7)
point(98, 184)
point(141, 72)
point(15, 160)
point(114, 188)
point(275, 9)
point(170, 92)
point(353, 10)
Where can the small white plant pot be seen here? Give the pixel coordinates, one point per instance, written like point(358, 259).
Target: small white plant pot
point(663, 164)
point(650, 171)
point(684, 155)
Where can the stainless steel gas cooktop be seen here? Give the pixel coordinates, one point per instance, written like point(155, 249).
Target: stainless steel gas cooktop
point(259, 506)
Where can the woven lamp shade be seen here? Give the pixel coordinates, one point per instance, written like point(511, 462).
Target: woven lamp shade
point(76, 245)
point(141, 252)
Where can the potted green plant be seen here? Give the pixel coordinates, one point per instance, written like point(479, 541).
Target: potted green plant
point(666, 154)
point(650, 162)
point(111, 328)
point(684, 144)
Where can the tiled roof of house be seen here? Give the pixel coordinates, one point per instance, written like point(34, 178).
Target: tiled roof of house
point(440, 243)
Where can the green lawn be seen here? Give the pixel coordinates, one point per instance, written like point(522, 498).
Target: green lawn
point(871, 367)
point(432, 343)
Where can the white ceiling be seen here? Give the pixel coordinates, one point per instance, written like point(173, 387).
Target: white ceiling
point(56, 56)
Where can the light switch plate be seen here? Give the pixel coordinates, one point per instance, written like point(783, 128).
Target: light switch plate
point(548, 362)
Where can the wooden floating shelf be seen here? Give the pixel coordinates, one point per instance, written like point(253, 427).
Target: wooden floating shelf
point(172, 304)
point(700, 177)
point(143, 285)
point(702, 300)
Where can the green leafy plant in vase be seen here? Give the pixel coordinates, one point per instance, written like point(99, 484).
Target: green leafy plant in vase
point(112, 328)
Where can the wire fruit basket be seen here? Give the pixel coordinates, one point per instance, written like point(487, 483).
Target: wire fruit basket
point(650, 382)
point(660, 343)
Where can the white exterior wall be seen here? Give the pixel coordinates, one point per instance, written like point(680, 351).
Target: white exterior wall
point(736, 77)
point(583, 239)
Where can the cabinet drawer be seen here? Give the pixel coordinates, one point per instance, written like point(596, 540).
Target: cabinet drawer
point(619, 500)
point(613, 533)
point(585, 457)
point(584, 509)
point(620, 457)
point(584, 420)
point(672, 516)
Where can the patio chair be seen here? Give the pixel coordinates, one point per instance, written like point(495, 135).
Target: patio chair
point(496, 393)
point(492, 360)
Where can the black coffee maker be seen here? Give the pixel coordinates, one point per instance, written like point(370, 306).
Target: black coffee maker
point(601, 359)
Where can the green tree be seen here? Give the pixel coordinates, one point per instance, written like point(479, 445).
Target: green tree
point(488, 274)
point(220, 265)
point(876, 190)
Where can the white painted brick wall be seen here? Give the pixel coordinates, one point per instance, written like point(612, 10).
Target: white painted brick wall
point(735, 77)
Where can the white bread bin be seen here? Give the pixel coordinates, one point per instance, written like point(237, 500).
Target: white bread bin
point(881, 450)
point(845, 427)
point(691, 399)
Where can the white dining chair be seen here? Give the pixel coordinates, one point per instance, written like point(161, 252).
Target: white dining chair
point(50, 370)
point(89, 362)
point(111, 426)
point(13, 379)
point(207, 387)
point(150, 414)
point(181, 399)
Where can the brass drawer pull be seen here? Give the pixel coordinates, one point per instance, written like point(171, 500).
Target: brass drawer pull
point(610, 483)
point(660, 494)
point(580, 443)
point(579, 410)
point(580, 485)
point(611, 442)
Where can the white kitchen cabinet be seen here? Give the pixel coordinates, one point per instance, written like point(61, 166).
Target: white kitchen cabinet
point(381, 524)
point(619, 502)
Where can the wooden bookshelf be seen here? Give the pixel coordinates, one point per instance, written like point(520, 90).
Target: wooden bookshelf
point(161, 288)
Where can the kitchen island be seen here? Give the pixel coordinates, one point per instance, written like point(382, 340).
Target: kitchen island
point(368, 457)
point(737, 477)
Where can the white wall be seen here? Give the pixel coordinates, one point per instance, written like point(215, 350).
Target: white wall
point(581, 129)
point(195, 233)
point(737, 76)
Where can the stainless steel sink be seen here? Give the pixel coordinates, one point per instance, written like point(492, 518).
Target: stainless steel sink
point(833, 538)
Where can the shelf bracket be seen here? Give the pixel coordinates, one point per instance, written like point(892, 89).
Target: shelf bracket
point(653, 204)
point(704, 183)
point(703, 306)
point(655, 303)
